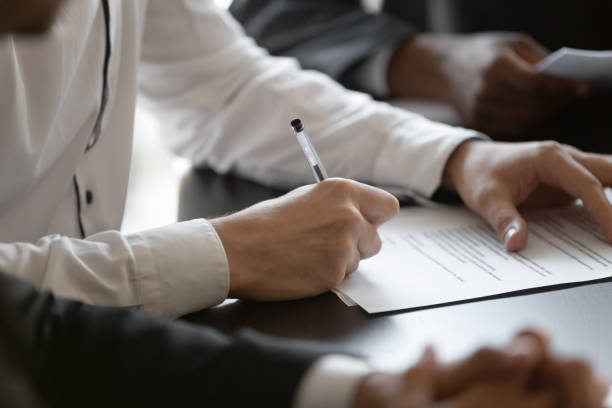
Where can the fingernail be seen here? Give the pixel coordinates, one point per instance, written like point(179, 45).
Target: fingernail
point(509, 234)
point(523, 350)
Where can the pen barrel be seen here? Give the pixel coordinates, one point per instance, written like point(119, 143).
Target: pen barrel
point(311, 155)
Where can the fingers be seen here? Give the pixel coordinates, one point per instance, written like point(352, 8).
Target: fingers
point(598, 164)
point(523, 76)
point(352, 263)
point(576, 382)
point(529, 50)
point(355, 211)
point(500, 395)
point(600, 390)
point(531, 346)
point(425, 370)
point(527, 350)
point(515, 96)
point(499, 210)
point(540, 399)
point(369, 243)
point(376, 205)
point(556, 167)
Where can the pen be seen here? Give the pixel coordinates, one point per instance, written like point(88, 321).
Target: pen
point(311, 154)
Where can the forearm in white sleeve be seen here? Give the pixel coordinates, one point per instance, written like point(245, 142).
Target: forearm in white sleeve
point(227, 104)
point(168, 271)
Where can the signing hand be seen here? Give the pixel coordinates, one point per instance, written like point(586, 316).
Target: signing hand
point(304, 243)
point(493, 179)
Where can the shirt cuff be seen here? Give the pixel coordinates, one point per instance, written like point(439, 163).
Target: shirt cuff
point(437, 143)
point(331, 382)
point(370, 76)
point(180, 268)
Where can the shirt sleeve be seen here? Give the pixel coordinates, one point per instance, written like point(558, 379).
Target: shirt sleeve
point(168, 271)
point(331, 382)
point(227, 104)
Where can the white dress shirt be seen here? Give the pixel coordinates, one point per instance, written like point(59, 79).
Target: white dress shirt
point(224, 103)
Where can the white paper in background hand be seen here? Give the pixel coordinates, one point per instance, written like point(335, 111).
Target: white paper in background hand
point(594, 67)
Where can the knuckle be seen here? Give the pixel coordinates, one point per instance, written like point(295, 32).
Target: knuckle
point(591, 183)
point(349, 217)
point(339, 187)
point(343, 249)
point(550, 148)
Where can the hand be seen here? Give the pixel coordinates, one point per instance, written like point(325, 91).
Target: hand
point(490, 78)
point(493, 179)
point(522, 375)
point(304, 243)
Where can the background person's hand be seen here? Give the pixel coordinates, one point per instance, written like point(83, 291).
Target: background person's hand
point(304, 243)
point(521, 375)
point(490, 78)
point(493, 179)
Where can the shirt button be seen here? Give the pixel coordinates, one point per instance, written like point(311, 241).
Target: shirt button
point(89, 197)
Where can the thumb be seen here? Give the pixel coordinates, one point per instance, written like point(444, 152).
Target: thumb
point(422, 377)
point(501, 213)
point(530, 50)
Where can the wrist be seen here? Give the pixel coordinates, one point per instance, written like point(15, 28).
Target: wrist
point(228, 230)
point(453, 172)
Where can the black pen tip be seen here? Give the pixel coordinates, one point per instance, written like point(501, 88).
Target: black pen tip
point(297, 125)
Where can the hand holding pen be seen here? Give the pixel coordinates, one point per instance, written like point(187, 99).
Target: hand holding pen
point(305, 242)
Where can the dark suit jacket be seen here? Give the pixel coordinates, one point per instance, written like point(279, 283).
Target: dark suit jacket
point(334, 35)
point(75, 355)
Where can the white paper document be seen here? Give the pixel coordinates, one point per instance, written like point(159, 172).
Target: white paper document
point(594, 67)
point(432, 256)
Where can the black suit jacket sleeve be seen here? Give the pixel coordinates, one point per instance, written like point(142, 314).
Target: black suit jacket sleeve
point(331, 36)
point(76, 355)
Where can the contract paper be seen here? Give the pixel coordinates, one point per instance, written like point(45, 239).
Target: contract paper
point(594, 67)
point(433, 256)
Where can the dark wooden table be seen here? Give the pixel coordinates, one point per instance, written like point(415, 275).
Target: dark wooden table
point(578, 318)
